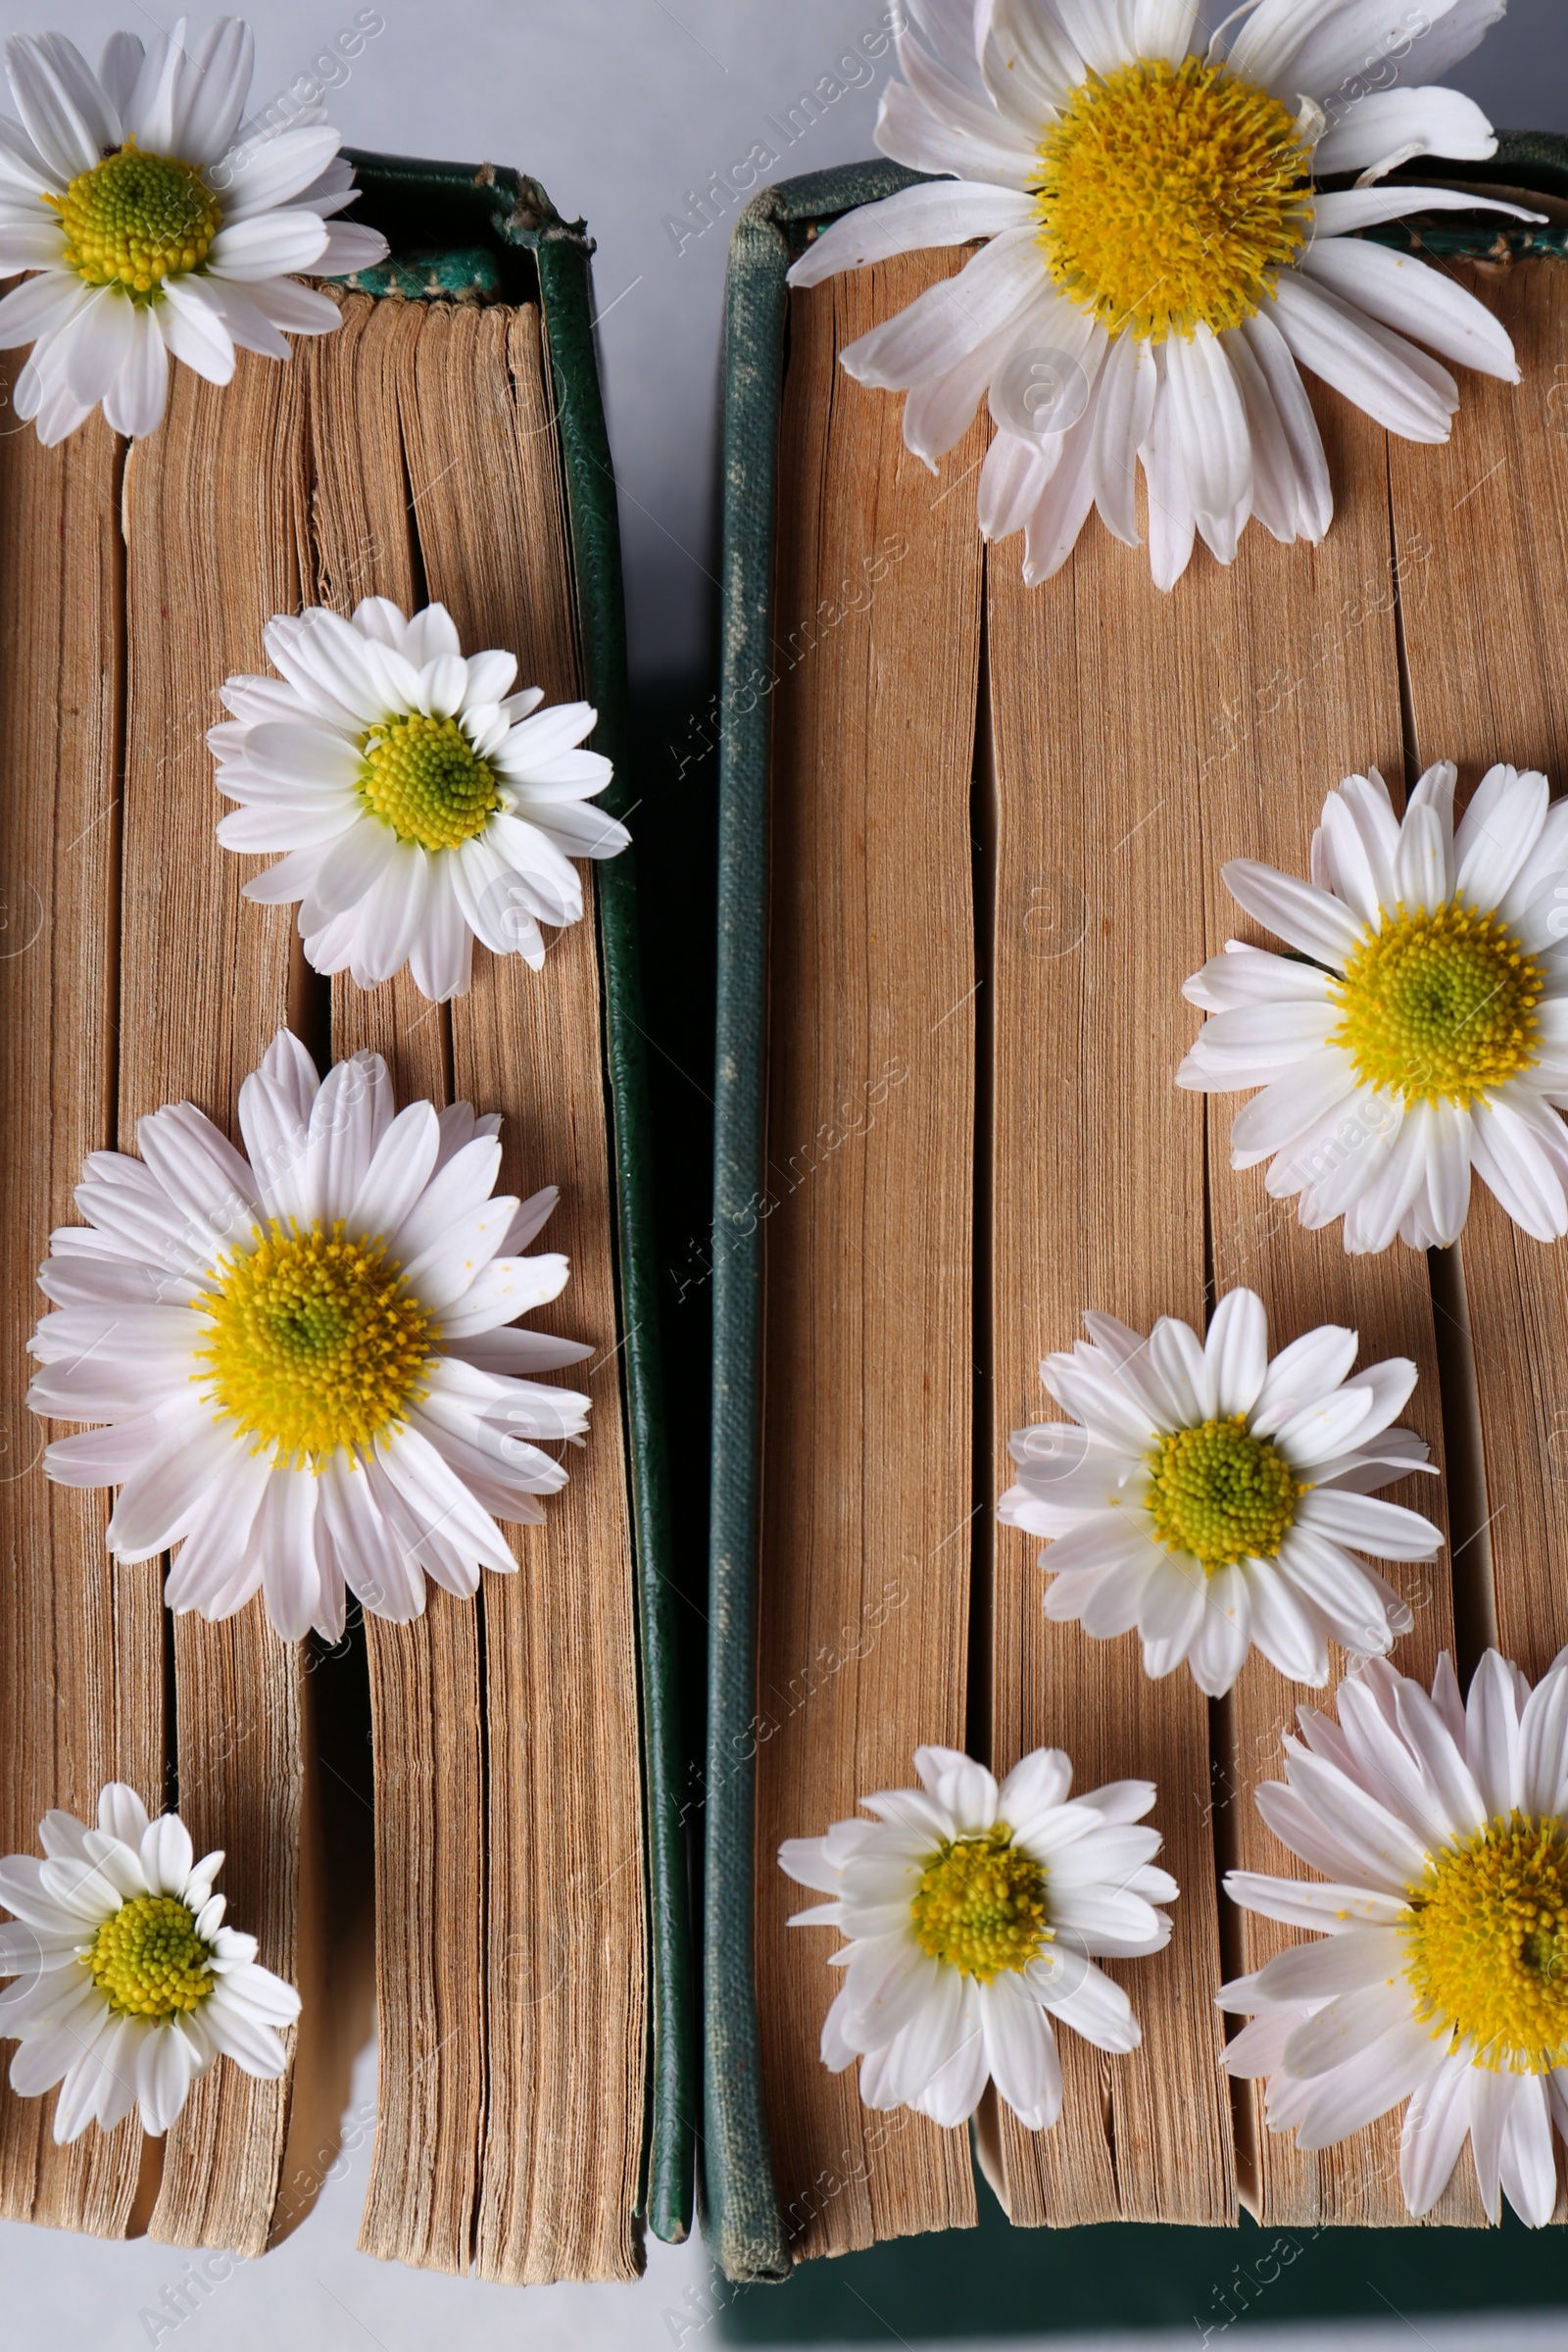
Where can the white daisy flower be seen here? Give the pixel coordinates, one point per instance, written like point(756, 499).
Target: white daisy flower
point(305, 1358)
point(1207, 1494)
point(1442, 1975)
point(1158, 260)
point(1428, 1032)
point(152, 231)
point(126, 1984)
point(971, 1913)
point(422, 804)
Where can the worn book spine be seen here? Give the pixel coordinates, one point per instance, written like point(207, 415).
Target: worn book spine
point(81, 1642)
point(512, 1926)
point(741, 2210)
point(1096, 862)
point(1126, 746)
point(869, 1219)
point(538, 2050)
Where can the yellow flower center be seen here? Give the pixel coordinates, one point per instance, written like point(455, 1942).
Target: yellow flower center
point(1220, 1495)
point(981, 1905)
point(147, 1959)
point(1489, 1944)
point(423, 777)
point(134, 220)
point(1170, 195)
point(315, 1343)
point(1440, 1007)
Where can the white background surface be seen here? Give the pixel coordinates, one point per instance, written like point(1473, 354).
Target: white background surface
point(620, 106)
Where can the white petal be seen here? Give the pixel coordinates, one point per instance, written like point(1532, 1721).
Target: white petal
point(907, 130)
point(1305, 917)
point(1012, 482)
point(41, 306)
point(1335, 1846)
point(439, 1502)
point(951, 317)
point(1511, 1159)
point(1023, 49)
point(1219, 1650)
point(1286, 1626)
point(267, 245)
point(1492, 1735)
point(380, 1570)
point(1337, 213)
point(1088, 2002)
point(1391, 379)
point(1501, 826)
point(1307, 1367)
point(1436, 2125)
point(404, 1163)
point(284, 1534)
point(1317, 1088)
point(1123, 415)
point(1325, 1908)
point(1036, 1785)
point(350, 246)
point(165, 2067)
point(1210, 421)
point(167, 1854)
point(29, 243)
point(1172, 527)
point(156, 1503)
point(1021, 2052)
point(1050, 531)
point(66, 115)
point(1318, 45)
point(1385, 1529)
point(136, 401)
point(194, 330)
point(1352, 2096)
point(1528, 2166)
point(1357, 1956)
point(1382, 123)
point(213, 96)
point(1413, 299)
point(274, 170)
point(1544, 1743)
point(940, 213)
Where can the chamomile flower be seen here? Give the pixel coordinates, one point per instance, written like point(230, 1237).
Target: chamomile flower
point(152, 231)
point(126, 1984)
point(422, 804)
point(1426, 1034)
point(1213, 1496)
point(973, 1912)
point(303, 1355)
point(1158, 261)
point(1440, 1973)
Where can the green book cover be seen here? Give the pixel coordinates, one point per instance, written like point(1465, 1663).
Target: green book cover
point(740, 2208)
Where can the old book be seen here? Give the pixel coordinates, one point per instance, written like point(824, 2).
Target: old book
point(446, 444)
point(971, 846)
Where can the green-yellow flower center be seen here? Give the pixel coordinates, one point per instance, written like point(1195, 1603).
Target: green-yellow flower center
point(1171, 196)
point(147, 1959)
point(981, 1905)
point(134, 220)
point(1221, 1494)
point(1488, 1943)
point(314, 1342)
point(1440, 1007)
point(423, 778)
